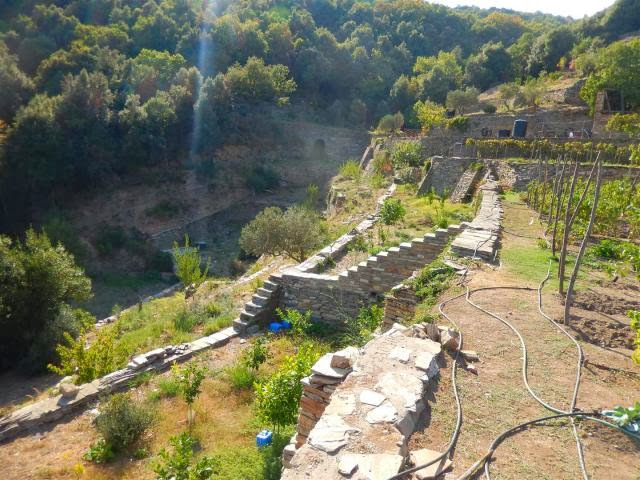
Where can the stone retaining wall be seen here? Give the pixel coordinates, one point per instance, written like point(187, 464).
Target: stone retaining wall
point(334, 299)
point(481, 237)
point(364, 430)
point(399, 305)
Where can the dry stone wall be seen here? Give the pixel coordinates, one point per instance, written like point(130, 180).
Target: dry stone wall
point(362, 432)
point(481, 237)
point(334, 299)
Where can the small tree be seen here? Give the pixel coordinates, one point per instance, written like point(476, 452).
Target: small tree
point(406, 154)
point(531, 93)
point(189, 264)
point(294, 233)
point(277, 398)
point(256, 354)
point(190, 379)
point(508, 93)
point(461, 100)
point(177, 465)
point(392, 211)
point(429, 114)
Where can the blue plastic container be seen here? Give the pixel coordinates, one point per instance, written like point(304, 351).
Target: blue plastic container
point(275, 327)
point(286, 325)
point(264, 438)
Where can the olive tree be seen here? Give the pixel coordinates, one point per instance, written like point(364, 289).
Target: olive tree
point(295, 233)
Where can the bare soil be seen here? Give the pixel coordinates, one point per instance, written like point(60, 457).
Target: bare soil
point(496, 399)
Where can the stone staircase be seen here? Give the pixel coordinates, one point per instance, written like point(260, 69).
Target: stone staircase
point(261, 308)
point(379, 273)
point(466, 185)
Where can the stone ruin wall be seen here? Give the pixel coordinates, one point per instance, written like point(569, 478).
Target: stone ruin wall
point(445, 172)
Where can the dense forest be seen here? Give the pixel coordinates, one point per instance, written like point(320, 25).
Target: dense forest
point(98, 89)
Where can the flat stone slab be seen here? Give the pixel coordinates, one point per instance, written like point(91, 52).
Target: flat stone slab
point(428, 363)
point(330, 434)
point(341, 404)
point(385, 413)
point(423, 456)
point(380, 466)
point(401, 354)
point(369, 397)
point(323, 367)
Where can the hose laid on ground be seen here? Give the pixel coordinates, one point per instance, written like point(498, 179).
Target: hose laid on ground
point(525, 364)
point(456, 431)
point(558, 413)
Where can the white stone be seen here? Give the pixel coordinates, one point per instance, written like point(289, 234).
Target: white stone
point(68, 390)
point(347, 465)
point(330, 434)
point(379, 466)
point(369, 397)
point(345, 358)
point(428, 363)
point(341, 404)
point(385, 413)
point(323, 367)
point(423, 456)
point(401, 354)
point(470, 355)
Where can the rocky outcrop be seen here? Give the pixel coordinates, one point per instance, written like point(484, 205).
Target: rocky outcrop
point(363, 431)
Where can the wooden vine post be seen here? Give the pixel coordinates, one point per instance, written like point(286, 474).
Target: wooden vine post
point(583, 246)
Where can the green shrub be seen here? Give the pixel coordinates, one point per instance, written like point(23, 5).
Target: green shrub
point(277, 398)
point(360, 330)
point(256, 354)
point(189, 264)
point(177, 465)
point(99, 452)
point(392, 211)
point(351, 169)
point(122, 421)
point(461, 124)
point(406, 154)
point(432, 281)
point(103, 355)
point(327, 263)
point(489, 108)
point(240, 376)
point(110, 238)
point(168, 387)
point(300, 322)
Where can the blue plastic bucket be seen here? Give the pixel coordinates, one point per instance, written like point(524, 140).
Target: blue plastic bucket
point(264, 438)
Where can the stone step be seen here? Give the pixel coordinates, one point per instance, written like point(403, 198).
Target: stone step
point(252, 308)
point(269, 285)
point(260, 300)
point(263, 292)
point(240, 325)
point(247, 316)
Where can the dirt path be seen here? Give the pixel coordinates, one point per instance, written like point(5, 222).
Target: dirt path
point(496, 398)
